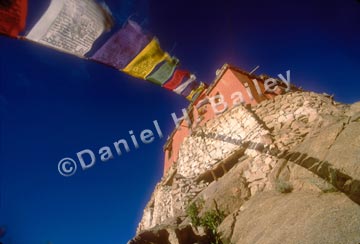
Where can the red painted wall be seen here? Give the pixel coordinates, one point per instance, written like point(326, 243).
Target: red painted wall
point(172, 151)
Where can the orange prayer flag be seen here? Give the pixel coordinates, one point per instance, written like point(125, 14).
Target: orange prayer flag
point(12, 17)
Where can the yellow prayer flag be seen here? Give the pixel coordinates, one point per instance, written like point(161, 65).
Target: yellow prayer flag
point(196, 92)
point(145, 62)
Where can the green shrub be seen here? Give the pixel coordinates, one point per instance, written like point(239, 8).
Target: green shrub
point(210, 220)
point(193, 212)
point(283, 186)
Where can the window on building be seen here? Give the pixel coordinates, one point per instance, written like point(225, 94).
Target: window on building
point(202, 110)
point(191, 117)
point(202, 106)
point(217, 99)
point(170, 151)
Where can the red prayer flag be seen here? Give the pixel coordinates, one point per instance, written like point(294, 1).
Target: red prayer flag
point(12, 17)
point(176, 80)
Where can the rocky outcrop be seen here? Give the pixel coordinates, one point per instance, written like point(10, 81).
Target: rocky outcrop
point(299, 217)
point(247, 158)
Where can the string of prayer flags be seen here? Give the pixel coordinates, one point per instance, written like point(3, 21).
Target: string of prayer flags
point(12, 17)
point(73, 26)
point(70, 26)
point(123, 46)
point(145, 62)
point(164, 72)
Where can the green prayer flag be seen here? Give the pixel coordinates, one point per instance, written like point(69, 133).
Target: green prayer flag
point(164, 72)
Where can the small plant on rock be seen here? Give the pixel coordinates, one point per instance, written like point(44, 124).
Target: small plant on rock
point(283, 186)
point(193, 212)
point(210, 220)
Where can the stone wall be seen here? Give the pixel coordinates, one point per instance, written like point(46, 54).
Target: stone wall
point(217, 139)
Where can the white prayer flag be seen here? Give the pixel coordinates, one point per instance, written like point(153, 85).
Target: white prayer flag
point(183, 86)
point(70, 26)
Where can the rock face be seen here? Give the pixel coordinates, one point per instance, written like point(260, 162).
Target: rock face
point(246, 159)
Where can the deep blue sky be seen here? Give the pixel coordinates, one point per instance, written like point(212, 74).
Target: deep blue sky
point(53, 105)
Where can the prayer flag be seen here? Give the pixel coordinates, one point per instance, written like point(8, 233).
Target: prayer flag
point(164, 72)
point(187, 84)
point(70, 26)
point(192, 86)
point(123, 46)
point(194, 94)
point(12, 17)
point(176, 79)
point(145, 62)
